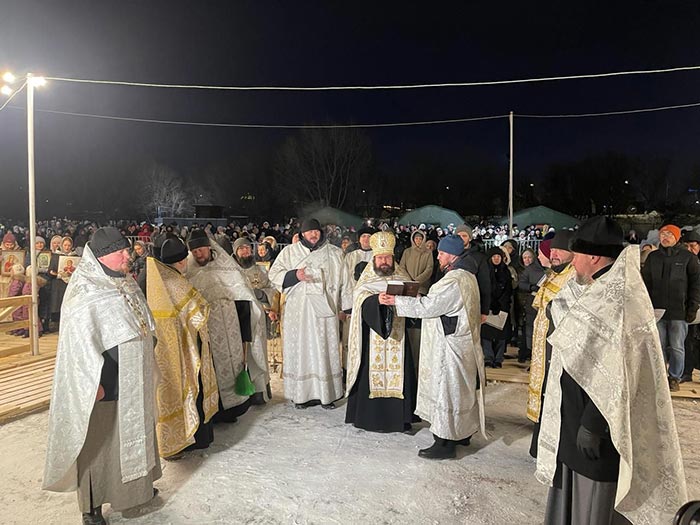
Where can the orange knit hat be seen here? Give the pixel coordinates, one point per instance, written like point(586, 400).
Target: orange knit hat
point(673, 229)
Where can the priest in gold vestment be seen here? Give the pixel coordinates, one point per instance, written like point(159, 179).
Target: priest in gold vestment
point(186, 394)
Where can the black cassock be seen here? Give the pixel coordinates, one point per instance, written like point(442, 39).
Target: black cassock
point(386, 414)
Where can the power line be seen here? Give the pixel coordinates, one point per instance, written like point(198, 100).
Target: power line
point(375, 125)
point(269, 126)
point(608, 113)
point(13, 96)
point(376, 87)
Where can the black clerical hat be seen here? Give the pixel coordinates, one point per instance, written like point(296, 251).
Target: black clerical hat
point(198, 238)
point(172, 251)
point(598, 236)
point(107, 240)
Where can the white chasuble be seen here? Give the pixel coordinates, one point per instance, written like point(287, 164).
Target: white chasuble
point(101, 312)
point(221, 282)
point(449, 364)
point(310, 326)
point(606, 339)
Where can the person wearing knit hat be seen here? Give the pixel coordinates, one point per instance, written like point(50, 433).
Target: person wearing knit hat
point(691, 239)
point(672, 278)
point(379, 400)
point(450, 394)
point(475, 261)
point(198, 239)
point(101, 434)
point(672, 230)
point(555, 257)
point(544, 252)
point(183, 354)
point(317, 284)
point(606, 382)
point(9, 242)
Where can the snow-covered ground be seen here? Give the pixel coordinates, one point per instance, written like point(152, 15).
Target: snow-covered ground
point(283, 465)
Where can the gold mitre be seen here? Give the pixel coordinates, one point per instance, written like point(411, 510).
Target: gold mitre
point(382, 243)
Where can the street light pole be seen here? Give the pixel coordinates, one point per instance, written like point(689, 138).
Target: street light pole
point(32, 214)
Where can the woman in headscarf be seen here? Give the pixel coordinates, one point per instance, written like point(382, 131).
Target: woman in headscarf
point(60, 283)
point(139, 255)
point(493, 340)
point(264, 253)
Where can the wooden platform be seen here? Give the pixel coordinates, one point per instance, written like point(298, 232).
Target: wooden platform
point(25, 380)
point(514, 372)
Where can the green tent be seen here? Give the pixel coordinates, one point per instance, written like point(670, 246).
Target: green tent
point(330, 215)
point(432, 215)
point(542, 215)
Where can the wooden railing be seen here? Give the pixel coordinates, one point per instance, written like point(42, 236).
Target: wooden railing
point(7, 307)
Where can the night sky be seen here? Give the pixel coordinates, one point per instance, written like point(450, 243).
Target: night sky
point(302, 43)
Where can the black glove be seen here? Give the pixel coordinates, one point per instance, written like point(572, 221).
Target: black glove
point(588, 443)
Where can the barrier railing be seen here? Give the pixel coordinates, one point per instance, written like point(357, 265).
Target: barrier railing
point(8, 306)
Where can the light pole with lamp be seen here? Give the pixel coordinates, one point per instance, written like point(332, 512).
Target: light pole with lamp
point(30, 83)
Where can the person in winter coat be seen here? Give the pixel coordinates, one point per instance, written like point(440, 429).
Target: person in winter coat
point(528, 284)
point(417, 261)
point(475, 261)
point(672, 278)
point(493, 340)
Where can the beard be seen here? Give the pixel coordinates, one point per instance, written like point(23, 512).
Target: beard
point(246, 262)
point(385, 270)
point(583, 279)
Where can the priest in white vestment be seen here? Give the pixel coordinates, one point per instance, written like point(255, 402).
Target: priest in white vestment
point(236, 317)
point(356, 261)
point(451, 374)
point(101, 438)
point(316, 282)
point(608, 446)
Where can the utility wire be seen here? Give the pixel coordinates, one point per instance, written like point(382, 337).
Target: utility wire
point(376, 87)
point(13, 96)
point(626, 112)
point(270, 126)
point(377, 125)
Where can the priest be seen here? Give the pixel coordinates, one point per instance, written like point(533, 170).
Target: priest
point(236, 317)
point(187, 395)
point(555, 279)
point(451, 376)
point(316, 282)
point(101, 438)
point(356, 261)
point(381, 385)
point(608, 446)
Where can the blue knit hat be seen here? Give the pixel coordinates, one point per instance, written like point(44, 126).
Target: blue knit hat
point(452, 244)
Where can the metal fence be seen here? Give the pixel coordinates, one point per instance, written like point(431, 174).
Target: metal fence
point(533, 244)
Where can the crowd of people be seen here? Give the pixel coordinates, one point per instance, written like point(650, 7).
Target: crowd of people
point(400, 320)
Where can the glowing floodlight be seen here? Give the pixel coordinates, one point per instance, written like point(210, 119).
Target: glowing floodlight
point(8, 77)
point(37, 81)
point(6, 90)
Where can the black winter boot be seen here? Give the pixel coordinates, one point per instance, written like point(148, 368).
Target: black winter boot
point(441, 449)
point(94, 517)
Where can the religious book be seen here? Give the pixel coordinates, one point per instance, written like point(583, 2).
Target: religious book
point(409, 288)
point(497, 321)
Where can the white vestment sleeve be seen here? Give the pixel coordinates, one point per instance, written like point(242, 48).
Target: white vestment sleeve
point(443, 301)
